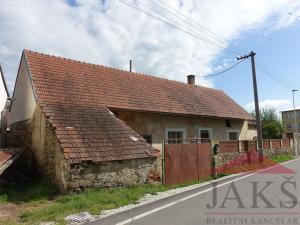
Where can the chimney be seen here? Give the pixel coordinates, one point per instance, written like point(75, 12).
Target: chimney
point(191, 79)
point(130, 65)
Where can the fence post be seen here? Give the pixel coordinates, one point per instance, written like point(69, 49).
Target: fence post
point(271, 145)
point(281, 143)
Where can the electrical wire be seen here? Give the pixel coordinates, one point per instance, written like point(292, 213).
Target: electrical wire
point(223, 71)
point(262, 66)
point(179, 28)
point(214, 35)
point(189, 20)
point(273, 77)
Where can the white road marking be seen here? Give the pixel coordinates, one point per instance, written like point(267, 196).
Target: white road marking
point(193, 195)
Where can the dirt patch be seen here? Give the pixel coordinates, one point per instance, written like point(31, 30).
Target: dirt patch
point(10, 212)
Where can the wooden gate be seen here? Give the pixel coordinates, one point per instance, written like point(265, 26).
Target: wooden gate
point(186, 162)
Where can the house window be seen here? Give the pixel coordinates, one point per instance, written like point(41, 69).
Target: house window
point(148, 138)
point(233, 135)
point(228, 123)
point(205, 133)
point(175, 135)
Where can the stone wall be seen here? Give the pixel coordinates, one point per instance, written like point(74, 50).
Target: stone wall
point(48, 152)
point(115, 173)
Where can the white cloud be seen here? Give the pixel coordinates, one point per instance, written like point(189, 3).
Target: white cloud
point(278, 104)
point(112, 33)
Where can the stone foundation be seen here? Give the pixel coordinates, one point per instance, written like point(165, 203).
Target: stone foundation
point(114, 173)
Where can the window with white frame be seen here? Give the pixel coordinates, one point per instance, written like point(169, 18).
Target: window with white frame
point(233, 135)
point(175, 135)
point(205, 133)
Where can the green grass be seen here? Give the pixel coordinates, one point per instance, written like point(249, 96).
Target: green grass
point(43, 203)
point(282, 158)
point(3, 198)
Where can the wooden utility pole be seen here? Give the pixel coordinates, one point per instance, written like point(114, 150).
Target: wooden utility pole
point(256, 102)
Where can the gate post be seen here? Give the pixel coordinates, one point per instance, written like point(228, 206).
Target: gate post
point(198, 168)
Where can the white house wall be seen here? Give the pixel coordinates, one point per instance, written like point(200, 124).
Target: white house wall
point(23, 98)
point(3, 94)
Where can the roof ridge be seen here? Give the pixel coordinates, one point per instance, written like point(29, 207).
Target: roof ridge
point(120, 70)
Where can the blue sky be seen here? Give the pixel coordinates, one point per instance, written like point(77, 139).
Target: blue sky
point(110, 33)
point(279, 50)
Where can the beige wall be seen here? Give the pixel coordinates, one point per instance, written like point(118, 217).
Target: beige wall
point(155, 124)
point(23, 99)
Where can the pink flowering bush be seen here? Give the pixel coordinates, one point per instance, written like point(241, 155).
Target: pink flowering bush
point(246, 162)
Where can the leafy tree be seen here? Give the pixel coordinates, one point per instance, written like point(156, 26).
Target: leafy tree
point(271, 123)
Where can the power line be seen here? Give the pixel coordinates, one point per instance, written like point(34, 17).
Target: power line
point(276, 72)
point(199, 27)
point(179, 28)
point(223, 71)
point(189, 20)
point(273, 77)
point(217, 37)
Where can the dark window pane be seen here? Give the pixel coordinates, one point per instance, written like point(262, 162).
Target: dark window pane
point(204, 134)
point(233, 136)
point(175, 137)
point(228, 123)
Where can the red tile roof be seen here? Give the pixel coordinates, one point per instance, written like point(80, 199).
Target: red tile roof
point(98, 85)
point(77, 94)
point(95, 134)
point(86, 129)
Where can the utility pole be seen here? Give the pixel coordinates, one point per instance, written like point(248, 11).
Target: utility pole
point(295, 118)
point(256, 102)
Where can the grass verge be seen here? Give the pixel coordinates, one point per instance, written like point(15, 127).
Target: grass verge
point(40, 200)
point(282, 158)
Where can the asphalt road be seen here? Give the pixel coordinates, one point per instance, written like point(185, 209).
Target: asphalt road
point(269, 197)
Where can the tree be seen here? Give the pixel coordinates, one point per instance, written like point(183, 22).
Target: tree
point(271, 123)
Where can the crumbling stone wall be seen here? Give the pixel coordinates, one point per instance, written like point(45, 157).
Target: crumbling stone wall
point(115, 173)
point(48, 152)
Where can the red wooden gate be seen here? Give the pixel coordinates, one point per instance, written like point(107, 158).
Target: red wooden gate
point(187, 162)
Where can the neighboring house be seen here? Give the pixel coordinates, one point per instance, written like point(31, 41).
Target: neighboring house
point(288, 120)
point(90, 123)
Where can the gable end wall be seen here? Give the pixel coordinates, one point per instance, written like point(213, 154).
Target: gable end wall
point(23, 100)
point(48, 152)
